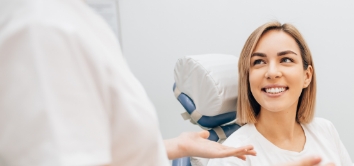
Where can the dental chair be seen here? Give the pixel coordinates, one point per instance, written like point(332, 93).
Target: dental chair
point(206, 86)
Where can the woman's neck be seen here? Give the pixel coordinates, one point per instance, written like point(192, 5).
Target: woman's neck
point(281, 128)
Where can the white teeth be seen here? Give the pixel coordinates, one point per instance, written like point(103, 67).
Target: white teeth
point(275, 90)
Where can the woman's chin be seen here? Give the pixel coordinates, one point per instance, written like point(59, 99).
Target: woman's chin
point(274, 108)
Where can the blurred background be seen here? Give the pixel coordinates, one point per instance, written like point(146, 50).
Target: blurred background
point(154, 33)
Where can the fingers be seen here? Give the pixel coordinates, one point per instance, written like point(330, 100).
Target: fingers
point(242, 157)
point(239, 152)
point(247, 147)
point(250, 152)
point(215, 150)
point(246, 150)
point(204, 134)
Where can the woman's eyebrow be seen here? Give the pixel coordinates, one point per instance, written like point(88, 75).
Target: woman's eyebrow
point(279, 53)
point(258, 54)
point(286, 52)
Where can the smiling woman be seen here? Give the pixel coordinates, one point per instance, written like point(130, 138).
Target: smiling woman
point(277, 79)
point(280, 47)
point(276, 104)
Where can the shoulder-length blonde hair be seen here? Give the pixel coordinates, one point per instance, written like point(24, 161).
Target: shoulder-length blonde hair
point(247, 107)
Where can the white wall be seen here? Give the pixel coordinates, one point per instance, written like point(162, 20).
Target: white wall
point(155, 33)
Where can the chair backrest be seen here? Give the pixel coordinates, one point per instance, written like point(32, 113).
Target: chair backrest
point(206, 86)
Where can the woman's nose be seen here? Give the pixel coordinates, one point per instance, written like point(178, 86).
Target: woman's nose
point(273, 71)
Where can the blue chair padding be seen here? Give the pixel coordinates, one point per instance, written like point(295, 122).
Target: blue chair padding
point(228, 129)
point(205, 121)
point(184, 161)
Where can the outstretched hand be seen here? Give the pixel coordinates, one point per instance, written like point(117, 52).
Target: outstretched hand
point(308, 161)
point(196, 144)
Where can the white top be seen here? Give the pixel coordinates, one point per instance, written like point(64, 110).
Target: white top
point(67, 96)
point(322, 139)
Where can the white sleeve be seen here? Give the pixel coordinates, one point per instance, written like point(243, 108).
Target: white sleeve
point(342, 151)
point(51, 112)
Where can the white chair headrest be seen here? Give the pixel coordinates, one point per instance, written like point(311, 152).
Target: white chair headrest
point(210, 81)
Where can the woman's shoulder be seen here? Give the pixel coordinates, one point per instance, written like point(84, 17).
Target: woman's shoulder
point(320, 125)
point(318, 122)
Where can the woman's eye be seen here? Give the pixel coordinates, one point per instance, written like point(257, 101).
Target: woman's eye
point(286, 60)
point(258, 61)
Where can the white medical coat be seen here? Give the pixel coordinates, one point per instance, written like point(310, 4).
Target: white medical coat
point(67, 96)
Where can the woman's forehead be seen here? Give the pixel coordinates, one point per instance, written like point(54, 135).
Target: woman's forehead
point(275, 41)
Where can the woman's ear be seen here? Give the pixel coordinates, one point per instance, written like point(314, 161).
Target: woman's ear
point(308, 76)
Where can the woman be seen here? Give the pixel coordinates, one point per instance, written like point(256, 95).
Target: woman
point(276, 104)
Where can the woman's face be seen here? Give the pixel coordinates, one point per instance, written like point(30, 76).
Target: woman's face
point(276, 75)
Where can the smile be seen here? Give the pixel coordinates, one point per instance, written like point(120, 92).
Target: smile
point(275, 90)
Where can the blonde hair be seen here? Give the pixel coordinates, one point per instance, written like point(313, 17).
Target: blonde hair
point(247, 107)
